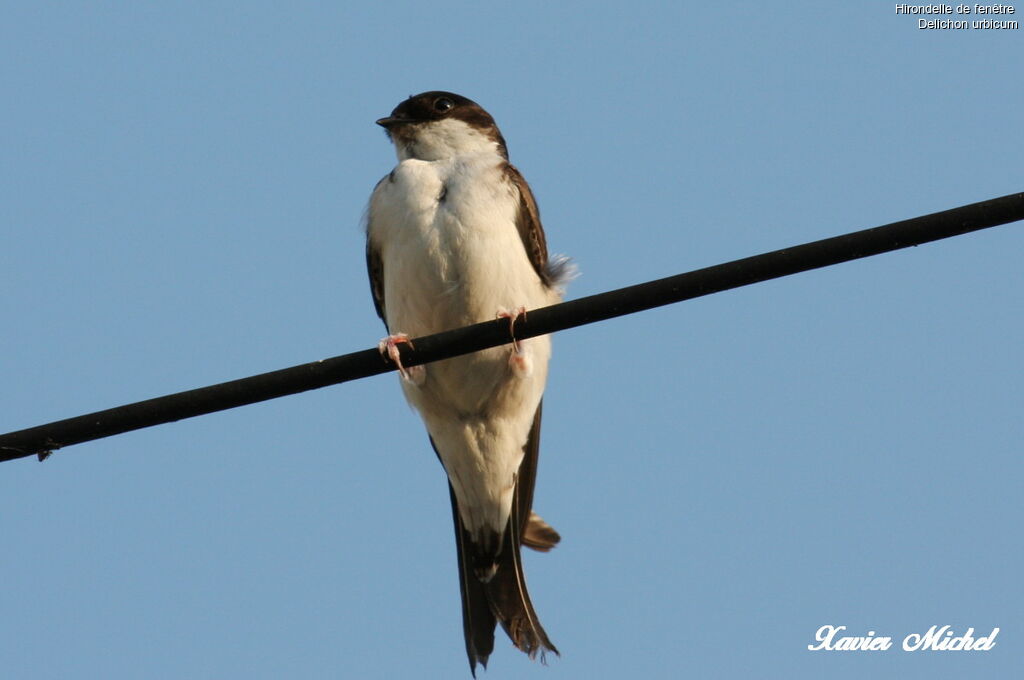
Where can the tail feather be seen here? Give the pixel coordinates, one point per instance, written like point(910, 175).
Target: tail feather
point(511, 604)
point(503, 599)
point(478, 620)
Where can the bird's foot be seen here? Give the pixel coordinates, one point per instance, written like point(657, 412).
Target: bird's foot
point(512, 315)
point(388, 347)
point(519, 361)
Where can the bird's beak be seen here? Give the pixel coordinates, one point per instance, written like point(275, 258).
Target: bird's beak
point(390, 121)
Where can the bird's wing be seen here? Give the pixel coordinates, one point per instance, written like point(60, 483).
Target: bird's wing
point(374, 261)
point(528, 224)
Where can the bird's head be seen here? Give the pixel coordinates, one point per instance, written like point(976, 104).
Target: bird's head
point(437, 125)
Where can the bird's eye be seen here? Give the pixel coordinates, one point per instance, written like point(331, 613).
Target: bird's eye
point(443, 104)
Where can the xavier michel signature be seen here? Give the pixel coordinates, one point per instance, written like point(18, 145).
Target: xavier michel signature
point(936, 639)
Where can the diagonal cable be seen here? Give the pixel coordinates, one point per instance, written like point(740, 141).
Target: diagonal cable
point(43, 439)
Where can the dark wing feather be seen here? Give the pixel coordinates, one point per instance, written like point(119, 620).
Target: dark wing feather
point(535, 533)
point(528, 223)
point(527, 475)
point(374, 261)
point(375, 268)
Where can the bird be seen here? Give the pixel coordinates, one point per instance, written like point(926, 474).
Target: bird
point(453, 238)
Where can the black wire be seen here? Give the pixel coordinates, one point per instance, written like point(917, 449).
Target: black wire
point(43, 439)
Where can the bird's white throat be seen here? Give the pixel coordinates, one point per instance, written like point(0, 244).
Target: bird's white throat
point(437, 140)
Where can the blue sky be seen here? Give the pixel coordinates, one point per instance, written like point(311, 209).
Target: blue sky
point(182, 187)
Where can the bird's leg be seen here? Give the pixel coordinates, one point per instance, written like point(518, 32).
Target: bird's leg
point(519, 360)
point(389, 347)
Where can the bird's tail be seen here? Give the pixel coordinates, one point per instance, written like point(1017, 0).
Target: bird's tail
point(491, 582)
point(503, 598)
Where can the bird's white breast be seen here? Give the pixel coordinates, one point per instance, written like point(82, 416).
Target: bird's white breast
point(451, 252)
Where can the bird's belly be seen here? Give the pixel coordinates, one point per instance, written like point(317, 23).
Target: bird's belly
point(443, 290)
